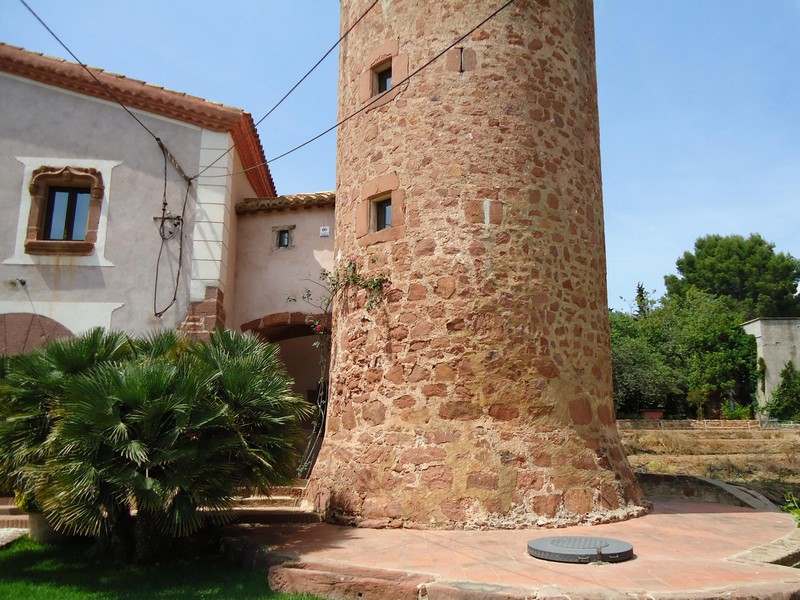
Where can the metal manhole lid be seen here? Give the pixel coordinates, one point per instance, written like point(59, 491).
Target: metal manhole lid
point(579, 549)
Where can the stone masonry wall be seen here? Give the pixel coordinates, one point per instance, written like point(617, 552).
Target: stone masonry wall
point(205, 316)
point(478, 393)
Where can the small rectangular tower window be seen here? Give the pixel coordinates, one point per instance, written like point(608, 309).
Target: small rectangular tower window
point(379, 74)
point(283, 238)
point(380, 213)
point(382, 208)
point(383, 78)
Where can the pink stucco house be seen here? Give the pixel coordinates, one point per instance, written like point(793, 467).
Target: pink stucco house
point(85, 188)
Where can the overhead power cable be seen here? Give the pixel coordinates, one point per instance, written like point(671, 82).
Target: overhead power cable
point(376, 98)
point(295, 86)
point(108, 91)
point(168, 158)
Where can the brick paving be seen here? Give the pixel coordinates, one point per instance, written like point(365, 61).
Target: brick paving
point(682, 550)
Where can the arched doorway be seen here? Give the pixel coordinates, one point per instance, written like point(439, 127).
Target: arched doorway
point(23, 332)
point(302, 354)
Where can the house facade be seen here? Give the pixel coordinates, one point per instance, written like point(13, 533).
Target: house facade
point(120, 201)
point(284, 244)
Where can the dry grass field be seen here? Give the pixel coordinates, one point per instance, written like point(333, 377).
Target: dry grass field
point(765, 460)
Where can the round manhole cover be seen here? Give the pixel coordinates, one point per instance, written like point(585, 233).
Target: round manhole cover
point(575, 549)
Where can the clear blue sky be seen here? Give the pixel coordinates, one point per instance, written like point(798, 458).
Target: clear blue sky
point(699, 102)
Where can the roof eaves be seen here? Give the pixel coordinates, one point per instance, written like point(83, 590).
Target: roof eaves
point(131, 92)
point(287, 202)
point(151, 98)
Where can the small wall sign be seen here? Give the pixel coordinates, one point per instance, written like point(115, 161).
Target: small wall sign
point(325, 231)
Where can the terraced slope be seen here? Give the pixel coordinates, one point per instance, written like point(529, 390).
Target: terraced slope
point(767, 460)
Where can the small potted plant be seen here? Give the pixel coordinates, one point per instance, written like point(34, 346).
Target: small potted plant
point(654, 413)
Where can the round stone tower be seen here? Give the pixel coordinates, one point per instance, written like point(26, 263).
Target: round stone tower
point(477, 392)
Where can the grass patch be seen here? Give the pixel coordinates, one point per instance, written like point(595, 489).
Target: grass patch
point(70, 572)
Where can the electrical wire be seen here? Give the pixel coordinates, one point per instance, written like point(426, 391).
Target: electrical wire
point(169, 158)
point(107, 90)
point(295, 86)
point(375, 98)
point(160, 313)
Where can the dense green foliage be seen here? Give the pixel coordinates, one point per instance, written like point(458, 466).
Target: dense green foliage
point(688, 355)
point(71, 572)
point(100, 426)
point(785, 402)
point(642, 377)
point(762, 282)
point(687, 352)
point(792, 506)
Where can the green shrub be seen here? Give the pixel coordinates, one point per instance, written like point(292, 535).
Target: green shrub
point(792, 506)
point(737, 413)
point(95, 427)
point(785, 402)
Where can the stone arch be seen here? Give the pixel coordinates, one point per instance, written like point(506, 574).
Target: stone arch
point(23, 332)
point(281, 326)
point(294, 334)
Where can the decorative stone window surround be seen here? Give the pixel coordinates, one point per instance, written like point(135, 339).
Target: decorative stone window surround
point(47, 177)
point(377, 59)
point(380, 188)
point(30, 209)
point(276, 237)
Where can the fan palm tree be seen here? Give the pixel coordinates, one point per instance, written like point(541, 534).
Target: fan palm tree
point(171, 432)
point(31, 391)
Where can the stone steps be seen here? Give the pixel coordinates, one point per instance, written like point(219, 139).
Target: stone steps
point(700, 442)
point(270, 515)
point(11, 517)
point(273, 501)
point(8, 507)
point(282, 506)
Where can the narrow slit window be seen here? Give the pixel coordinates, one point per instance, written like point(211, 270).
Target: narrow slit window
point(283, 238)
point(383, 78)
point(383, 214)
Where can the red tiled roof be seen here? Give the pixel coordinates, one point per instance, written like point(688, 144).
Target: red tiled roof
point(288, 202)
point(147, 97)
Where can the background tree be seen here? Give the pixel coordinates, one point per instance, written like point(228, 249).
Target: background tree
point(748, 270)
point(642, 377)
point(686, 354)
point(701, 335)
point(785, 402)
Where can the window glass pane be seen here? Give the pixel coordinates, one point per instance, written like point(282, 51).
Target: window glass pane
point(283, 238)
point(58, 214)
point(81, 216)
point(383, 214)
point(384, 80)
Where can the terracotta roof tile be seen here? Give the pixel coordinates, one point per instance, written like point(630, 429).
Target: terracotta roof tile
point(151, 98)
point(288, 202)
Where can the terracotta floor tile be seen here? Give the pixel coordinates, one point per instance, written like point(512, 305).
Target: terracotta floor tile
point(681, 547)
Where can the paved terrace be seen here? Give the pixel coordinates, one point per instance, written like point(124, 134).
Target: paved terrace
point(687, 550)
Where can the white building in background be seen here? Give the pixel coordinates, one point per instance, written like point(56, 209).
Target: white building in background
point(777, 342)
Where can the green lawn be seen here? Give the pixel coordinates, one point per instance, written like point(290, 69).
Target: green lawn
point(68, 572)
